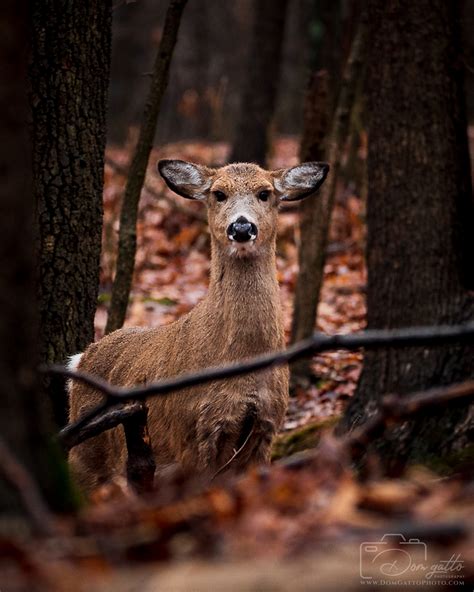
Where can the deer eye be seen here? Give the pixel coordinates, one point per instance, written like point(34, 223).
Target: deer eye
point(264, 195)
point(220, 196)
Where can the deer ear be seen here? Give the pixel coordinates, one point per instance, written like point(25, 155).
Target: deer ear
point(185, 178)
point(300, 181)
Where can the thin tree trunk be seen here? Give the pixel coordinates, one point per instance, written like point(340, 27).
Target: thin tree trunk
point(261, 85)
point(419, 214)
point(69, 74)
point(128, 216)
point(24, 425)
point(316, 212)
point(316, 116)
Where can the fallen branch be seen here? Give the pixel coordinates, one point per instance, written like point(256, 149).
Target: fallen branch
point(412, 336)
point(16, 474)
point(396, 408)
point(175, 205)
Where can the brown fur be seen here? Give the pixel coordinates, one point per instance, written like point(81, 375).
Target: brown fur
point(200, 428)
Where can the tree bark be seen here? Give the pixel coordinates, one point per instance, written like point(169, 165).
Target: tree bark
point(419, 216)
point(24, 424)
point(261, 84)
point(128, 216)
point(316, 211)
point(69, 74)
point(315, 129)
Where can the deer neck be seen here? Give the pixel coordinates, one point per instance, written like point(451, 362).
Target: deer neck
point(244, 303)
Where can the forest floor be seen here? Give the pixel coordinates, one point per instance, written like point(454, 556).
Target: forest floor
point(310, 523)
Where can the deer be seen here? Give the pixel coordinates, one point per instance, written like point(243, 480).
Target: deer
point(201, 429)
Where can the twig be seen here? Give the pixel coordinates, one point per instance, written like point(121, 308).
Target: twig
point(16, 474)
point(412, 336)
point(231, 459)
point(175, 205)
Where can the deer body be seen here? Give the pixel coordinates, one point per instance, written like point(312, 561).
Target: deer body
point(199, 429)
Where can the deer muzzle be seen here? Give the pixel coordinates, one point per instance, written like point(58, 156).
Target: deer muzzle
point(242, 230)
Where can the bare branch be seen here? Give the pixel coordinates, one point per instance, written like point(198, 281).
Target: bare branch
point(397, 408)
point(411, 336)
point(106, 421)
point(393, 409)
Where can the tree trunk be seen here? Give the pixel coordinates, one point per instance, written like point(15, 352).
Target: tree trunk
point(419, 215)
point(69, 74)
point(316, 211)
point(316, 115)
point(261, 85)
point(24, 425)
point(128, 216)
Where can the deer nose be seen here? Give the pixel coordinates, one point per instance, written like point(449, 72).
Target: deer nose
point(242, 230)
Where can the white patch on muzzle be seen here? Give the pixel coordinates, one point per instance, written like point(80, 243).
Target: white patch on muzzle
point(243, 249)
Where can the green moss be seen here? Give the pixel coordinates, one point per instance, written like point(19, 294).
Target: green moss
point(164, 301)
point(301, 438)
point(104, 298)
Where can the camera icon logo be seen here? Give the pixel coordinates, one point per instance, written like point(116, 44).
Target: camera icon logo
point(392, 556)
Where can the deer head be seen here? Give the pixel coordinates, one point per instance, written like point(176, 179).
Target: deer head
point(243, 199)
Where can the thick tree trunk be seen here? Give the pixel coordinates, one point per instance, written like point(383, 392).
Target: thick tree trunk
point(69, 77)
point(261, 85)
point(419, 214)
point(23, 413)
point(128, 216)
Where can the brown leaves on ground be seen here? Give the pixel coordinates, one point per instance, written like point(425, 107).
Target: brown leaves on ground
point(311, 506)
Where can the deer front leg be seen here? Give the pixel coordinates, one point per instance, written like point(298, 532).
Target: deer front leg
point(221, 433)
point(234, 443)
point(213, 441)
point(259, 445)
